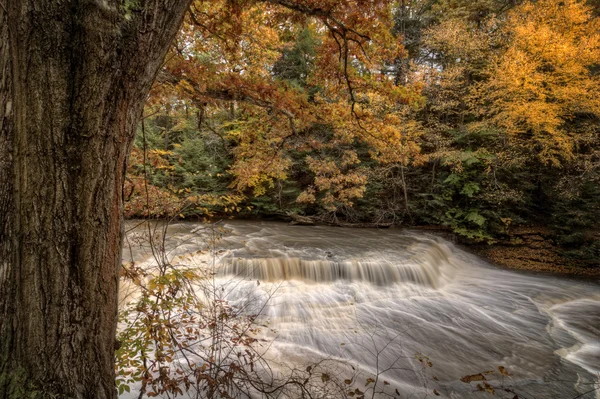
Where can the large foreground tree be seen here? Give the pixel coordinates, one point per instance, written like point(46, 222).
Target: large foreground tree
point(74, 76)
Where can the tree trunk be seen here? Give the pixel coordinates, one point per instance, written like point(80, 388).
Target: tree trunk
point(6, 139)
point(74, 76)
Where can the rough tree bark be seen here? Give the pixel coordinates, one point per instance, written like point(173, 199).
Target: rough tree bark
point(74, 75)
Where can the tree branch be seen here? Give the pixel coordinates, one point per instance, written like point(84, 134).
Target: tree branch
point(228, 95)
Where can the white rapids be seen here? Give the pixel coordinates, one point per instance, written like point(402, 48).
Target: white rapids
point(352, 293)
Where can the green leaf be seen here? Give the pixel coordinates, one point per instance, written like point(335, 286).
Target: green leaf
point(452, 179)
point(470, 188)
point(474, 217)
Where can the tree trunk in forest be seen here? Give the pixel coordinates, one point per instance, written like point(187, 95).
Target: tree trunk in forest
point(74, 76)
point(405, 191)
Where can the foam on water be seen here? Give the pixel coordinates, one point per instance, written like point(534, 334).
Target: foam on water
point(581, 319)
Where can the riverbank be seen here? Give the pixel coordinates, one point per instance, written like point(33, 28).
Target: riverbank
point(532, 248)
point(529, 248)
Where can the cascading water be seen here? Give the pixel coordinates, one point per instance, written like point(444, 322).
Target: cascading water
point(373, 270)
point(372, 297)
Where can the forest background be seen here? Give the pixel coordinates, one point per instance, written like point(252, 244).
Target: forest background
point(480, 117)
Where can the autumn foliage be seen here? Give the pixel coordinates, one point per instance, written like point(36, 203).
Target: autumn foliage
point(476, 115)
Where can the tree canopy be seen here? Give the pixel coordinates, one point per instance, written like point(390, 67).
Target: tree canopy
point(463, 114)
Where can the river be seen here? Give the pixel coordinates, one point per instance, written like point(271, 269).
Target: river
point(376, 298)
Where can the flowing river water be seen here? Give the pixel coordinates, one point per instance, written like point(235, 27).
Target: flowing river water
point(352, 293)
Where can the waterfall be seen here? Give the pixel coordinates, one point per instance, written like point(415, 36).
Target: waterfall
point(425, 269)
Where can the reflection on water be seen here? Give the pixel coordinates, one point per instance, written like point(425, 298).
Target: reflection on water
point(349, 293)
